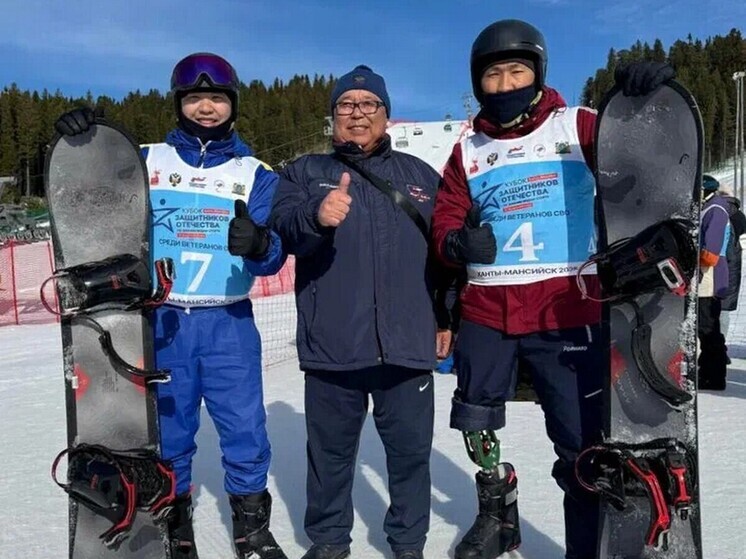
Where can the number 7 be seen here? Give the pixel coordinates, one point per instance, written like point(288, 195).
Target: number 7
point(202, 257)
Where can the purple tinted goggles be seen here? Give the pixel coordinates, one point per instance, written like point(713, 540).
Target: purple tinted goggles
point(194, 68)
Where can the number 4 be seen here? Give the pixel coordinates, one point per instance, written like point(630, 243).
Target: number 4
point(522, 240)
point(202, 257)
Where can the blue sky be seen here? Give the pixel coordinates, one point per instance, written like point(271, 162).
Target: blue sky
point(421, 47)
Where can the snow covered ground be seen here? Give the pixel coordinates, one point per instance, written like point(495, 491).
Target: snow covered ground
point(33, 512)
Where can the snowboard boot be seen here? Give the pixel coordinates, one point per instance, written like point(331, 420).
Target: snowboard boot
point(180, 530)
point(496, 529)
point(327, 551)
point(251, 536)
point(711, 384)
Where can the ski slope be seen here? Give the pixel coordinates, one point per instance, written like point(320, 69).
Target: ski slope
point(33, 511)
point(430, 141)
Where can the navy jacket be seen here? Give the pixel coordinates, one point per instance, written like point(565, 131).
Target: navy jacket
point(364, 290)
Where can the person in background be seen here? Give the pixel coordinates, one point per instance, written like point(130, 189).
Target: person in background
point(733, 256)
point(714, 236)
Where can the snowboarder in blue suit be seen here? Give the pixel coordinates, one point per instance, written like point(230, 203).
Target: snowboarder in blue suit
point(210, 200)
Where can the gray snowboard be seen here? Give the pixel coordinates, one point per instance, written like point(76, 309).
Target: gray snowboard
point(649, 159)
point(97, 189)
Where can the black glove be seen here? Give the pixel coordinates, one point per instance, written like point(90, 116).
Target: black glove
point(641, 78)
point(246, 238)
point(473, 243)
point(75, 122)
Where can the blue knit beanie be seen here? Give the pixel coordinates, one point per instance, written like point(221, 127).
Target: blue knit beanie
point(362, 77)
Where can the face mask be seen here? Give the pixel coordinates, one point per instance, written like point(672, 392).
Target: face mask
point(507, 106)
point(205, 133)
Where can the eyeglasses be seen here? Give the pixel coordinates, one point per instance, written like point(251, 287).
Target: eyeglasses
point(346, 108)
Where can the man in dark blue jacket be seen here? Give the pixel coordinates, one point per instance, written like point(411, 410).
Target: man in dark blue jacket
point(205, 333)
point(366, 322)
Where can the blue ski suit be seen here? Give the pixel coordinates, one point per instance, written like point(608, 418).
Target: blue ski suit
point(205, 333)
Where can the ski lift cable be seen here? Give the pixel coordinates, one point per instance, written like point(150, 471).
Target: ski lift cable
point(295, 141)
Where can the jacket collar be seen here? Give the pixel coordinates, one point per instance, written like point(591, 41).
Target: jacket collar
point(353, 151)
point(232, 146)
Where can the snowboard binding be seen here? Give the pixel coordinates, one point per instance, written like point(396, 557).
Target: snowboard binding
point(117, 361)
point(662, 471)
point(116, 484)
point(663, 256)
point(121, 282)
point(662, 383)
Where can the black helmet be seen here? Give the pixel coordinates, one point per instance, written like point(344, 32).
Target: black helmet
point(506, 36)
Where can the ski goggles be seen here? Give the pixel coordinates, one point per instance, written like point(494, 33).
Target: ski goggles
point(190, 71)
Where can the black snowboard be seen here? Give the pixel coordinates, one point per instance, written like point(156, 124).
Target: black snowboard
point(97, 189)
point(649, 164)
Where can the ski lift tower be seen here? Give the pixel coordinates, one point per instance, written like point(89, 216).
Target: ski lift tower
point(467, 97)
point(738, 156)
point(328, 126)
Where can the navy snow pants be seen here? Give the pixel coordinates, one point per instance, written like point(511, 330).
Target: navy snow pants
point(336, 404)
point(566, 369)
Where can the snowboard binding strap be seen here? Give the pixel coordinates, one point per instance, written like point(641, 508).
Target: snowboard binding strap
point(660, 519)
point(120, 282)
point(166, 273)
point(116, 484)
point(120, 365)
point(662, 256)
point(662, 470)
point(661, 383)
point(679, 481)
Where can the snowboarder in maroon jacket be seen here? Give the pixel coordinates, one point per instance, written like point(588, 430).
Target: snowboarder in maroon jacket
point(517, 210)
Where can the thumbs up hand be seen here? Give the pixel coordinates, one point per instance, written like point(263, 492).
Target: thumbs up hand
point(474, 243)
point(336, 205)
point(246, 238)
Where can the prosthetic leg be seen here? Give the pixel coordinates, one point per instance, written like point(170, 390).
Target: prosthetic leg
point(496, 529)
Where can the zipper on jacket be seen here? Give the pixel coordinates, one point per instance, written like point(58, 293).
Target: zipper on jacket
point(202, 152)
point(375, 278)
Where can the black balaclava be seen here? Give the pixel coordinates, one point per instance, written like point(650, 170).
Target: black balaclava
point(509, 106)
point(207, 133)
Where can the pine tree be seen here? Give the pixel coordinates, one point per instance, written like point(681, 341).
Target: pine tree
point(704, 67)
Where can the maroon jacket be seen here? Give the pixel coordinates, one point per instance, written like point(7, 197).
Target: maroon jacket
point(516, 309)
